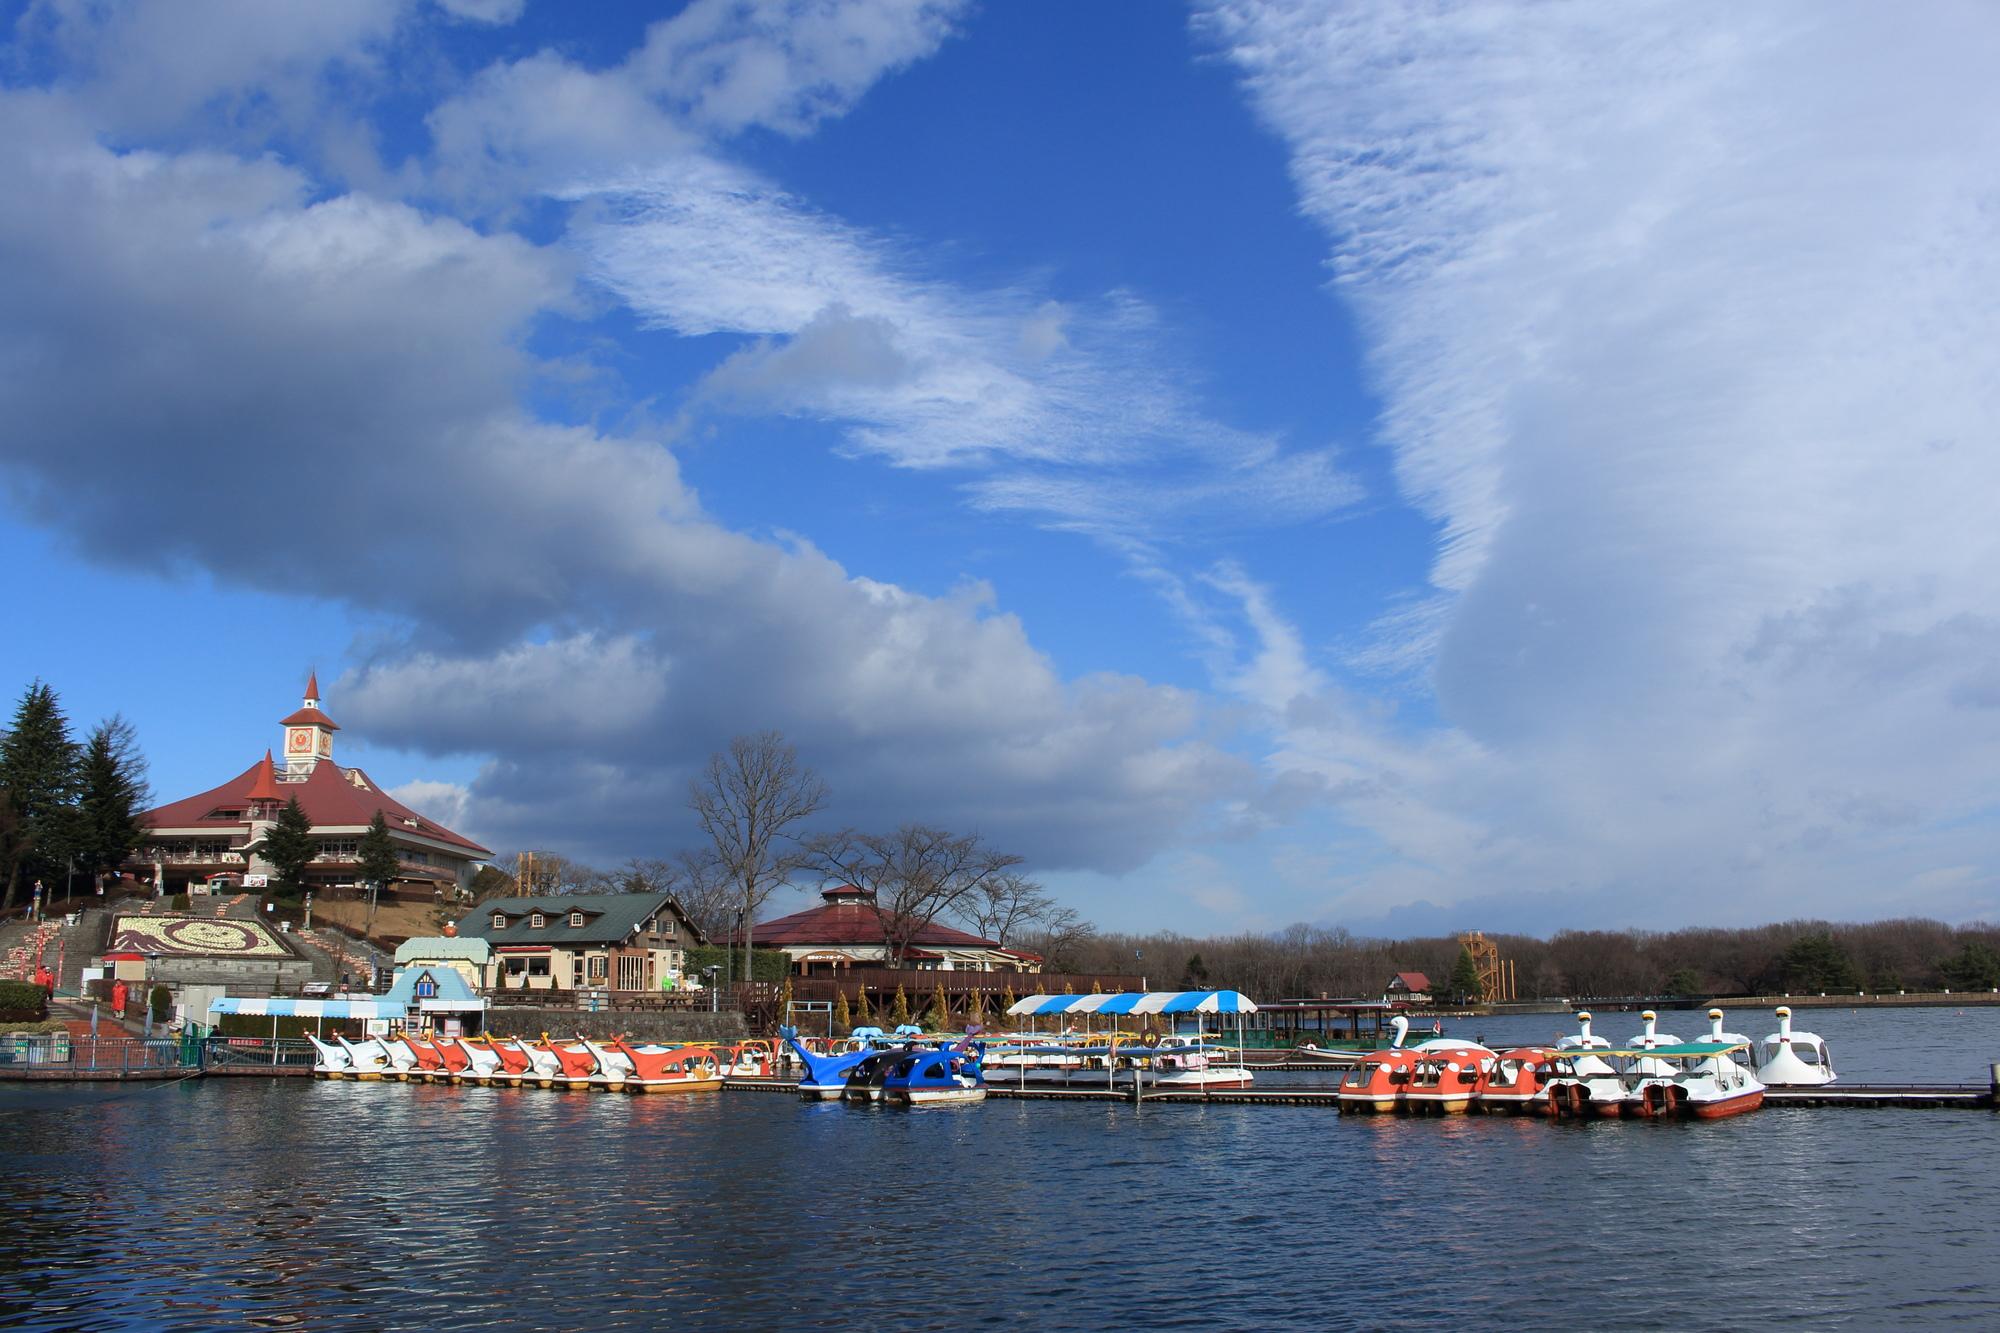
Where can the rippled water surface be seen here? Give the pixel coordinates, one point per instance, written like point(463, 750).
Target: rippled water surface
point(284, 1203)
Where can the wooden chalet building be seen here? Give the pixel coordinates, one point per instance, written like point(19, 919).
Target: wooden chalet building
point(624, 942)
point(1408, 988)
point(200, 841)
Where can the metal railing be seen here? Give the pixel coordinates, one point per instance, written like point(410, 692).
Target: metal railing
point(60, 1051)
point(262, 1052)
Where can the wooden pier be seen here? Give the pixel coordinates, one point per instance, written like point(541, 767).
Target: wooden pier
point(1911, 1096)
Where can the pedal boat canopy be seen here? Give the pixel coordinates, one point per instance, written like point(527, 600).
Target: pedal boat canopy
point(1138, 1002)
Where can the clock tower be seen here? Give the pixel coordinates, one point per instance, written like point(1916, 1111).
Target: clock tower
point(308, 733)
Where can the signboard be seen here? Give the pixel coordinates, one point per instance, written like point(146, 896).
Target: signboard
point(256, 881)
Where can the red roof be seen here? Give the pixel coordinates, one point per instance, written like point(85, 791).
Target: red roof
point(1414, 981)
point(312, 685)
point(309, 717)
point(327, 796)
point(850, 916)
point(265, 788)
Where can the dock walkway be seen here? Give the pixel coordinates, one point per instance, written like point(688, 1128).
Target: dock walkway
point(1912, 1096)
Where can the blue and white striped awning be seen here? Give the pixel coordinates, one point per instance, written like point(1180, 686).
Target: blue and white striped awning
point(288, 1008)
point(1139, 1002)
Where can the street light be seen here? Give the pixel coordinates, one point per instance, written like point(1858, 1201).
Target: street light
point(708, 980)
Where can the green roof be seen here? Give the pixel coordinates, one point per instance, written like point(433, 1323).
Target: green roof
point(607, 917)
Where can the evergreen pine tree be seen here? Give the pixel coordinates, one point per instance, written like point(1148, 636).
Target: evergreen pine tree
point(39, 770)
point(289, 847)
point(843, 1017)
point(1816, 962)
point(379, 861)
point(1464, 982)
point(1975, 967)
point(113, 791)
point(899, 1012)
point(1007, 1000)
point(975, 1009)
point(938, 1018)
point(863, 1013)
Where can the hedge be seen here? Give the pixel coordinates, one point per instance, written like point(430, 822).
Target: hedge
point(23, 1002)
point(765, 964)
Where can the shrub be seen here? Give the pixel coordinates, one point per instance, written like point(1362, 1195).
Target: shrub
point(765, 964)
point(22, 1001)
point(163, 1004)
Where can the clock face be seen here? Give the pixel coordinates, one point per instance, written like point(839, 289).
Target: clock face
point(301, 742)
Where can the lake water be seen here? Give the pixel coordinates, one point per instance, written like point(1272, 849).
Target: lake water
point(295, 1203)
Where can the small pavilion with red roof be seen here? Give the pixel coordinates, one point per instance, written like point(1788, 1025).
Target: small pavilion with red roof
point(848, 930)
point(201, 839)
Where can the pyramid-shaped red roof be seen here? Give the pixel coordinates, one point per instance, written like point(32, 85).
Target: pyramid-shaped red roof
point(308, 717)
point(264, 787)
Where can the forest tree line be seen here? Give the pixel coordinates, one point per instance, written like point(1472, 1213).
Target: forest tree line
point(1796, 957)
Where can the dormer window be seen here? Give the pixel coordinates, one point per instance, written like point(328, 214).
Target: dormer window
point(576, 918)
point(499, 921)
point(537, 921)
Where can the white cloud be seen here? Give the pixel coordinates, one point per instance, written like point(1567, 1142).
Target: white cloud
point(715, 68)
point(496, 12)
point(142, 68)
point(1077, 414)
point(784, 64)
point(1681, 320)
point(223, 373)
point(449, 803)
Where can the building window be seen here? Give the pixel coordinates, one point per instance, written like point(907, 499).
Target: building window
point(536, 921)
point(427, 988)
point(632, 971)
point(576, 918)
point(499, 921)
point(597, 967)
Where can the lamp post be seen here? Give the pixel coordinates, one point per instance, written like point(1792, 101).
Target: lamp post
point(714, 996)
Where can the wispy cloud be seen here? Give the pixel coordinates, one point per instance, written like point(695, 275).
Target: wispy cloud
point(1076, 413)
point(1682, 320)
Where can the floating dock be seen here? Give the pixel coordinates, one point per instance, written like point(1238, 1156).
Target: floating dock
point(1911, 1096)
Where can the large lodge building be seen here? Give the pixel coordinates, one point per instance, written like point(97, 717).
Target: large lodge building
point(201, 841)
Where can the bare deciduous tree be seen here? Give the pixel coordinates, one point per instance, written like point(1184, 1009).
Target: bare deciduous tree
point(749, 800)
point(1057, 934)
point(1004, 906)
point(916, 874)
point(705, 892)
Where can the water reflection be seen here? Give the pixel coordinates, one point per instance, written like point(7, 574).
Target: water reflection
point(355, 1206)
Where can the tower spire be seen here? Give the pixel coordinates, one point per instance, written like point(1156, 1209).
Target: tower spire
point(312, 689)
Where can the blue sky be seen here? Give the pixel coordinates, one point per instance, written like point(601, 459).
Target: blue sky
point(1468, 467)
